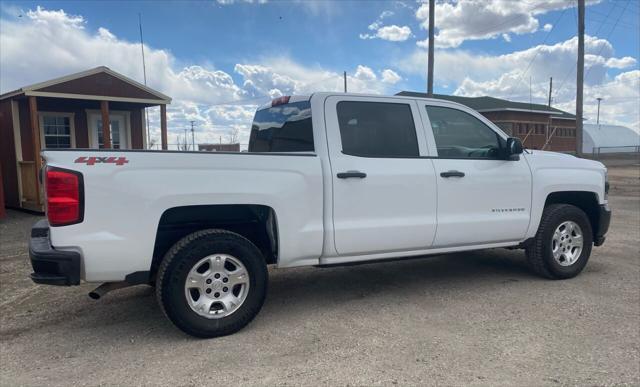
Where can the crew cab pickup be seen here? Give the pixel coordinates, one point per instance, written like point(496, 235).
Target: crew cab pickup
point(328, 179)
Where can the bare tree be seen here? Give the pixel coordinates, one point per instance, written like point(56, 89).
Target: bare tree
point(179, 143)
point(234, 136)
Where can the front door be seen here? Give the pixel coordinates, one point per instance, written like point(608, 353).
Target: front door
point(119, 131)
point(384, 194)
point(482, 198)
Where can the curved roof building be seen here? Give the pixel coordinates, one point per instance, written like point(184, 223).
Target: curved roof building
point(609, 139)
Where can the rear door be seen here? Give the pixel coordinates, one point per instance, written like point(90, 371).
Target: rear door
point(384, 193)
point(482, 197)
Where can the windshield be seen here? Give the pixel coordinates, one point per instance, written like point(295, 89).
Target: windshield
point(282, 128)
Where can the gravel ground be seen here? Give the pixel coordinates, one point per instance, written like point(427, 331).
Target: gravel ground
point(476, 318)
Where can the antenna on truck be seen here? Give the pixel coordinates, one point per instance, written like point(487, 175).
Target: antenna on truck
point(144, 74)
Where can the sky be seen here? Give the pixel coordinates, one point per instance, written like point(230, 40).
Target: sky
point(220, 59)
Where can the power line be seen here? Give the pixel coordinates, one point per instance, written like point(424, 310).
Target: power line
point(610, 32)
point(538, 50)
point(604, 14)
point(566, 77)
point(620, 25)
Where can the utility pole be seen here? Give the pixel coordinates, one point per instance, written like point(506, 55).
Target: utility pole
point(598, 119)
point(186, 140)
point(432, 5)
point(344, 74)
point(550, 122)
point(580, 78)
point(193, 136)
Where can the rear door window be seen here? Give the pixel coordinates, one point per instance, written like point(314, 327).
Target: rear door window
point(282, 128)
point(377, 129)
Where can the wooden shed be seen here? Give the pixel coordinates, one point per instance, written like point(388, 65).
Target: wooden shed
point(70, 112)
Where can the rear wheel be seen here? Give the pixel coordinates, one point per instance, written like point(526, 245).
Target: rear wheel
point(562, 245)
point(212, 283)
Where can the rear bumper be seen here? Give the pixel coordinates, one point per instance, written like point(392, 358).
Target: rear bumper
point(601, 228)
point(51, 266)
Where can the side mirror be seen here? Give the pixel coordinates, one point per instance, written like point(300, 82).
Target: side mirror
point(514, 147)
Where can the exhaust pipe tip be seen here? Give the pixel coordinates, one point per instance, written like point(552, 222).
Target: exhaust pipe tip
point(106, 287)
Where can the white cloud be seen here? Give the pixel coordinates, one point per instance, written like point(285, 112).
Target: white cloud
point(506, 37)
point(620, 63)
point(464, 20)
point(313, 7)
point(218, 101)
point(365, 73)
point(503, 75)
point(547, 27)
point(391, 77)
point(45, 17)
point(106, 34)
point(550, 60)
point(392, 33)
point(620, 101)
point(378, 23)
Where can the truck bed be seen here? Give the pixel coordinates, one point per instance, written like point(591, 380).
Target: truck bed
point(127, 191)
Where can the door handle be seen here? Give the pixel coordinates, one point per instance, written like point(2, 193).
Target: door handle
point(348, 174)
point(452, 174)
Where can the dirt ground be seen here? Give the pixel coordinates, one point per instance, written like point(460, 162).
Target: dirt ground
point(476, 318)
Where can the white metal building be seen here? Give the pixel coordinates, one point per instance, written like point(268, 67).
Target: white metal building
point(609, 139)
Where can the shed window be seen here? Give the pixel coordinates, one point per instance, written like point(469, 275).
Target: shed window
point(56, 131)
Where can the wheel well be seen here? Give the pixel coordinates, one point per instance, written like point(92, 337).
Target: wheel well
point(254, 222)
point(586, 201)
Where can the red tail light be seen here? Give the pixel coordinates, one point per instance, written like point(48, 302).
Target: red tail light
point(64, 197)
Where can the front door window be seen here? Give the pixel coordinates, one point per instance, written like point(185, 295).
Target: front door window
point(459, 135)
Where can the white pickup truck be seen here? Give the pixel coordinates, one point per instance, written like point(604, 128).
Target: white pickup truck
point(329, 179)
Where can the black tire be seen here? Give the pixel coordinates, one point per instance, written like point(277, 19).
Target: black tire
point(179, 260)
point(539, 252)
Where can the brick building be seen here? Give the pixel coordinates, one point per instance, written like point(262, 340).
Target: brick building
point(219, 147)
point(538, 126)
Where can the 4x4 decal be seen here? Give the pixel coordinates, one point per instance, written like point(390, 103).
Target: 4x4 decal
point(104, 160)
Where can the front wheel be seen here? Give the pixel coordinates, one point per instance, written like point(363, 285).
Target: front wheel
point(212, 283)
point(562, 245)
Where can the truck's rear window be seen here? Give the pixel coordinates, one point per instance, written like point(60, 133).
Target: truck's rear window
point(282, 128)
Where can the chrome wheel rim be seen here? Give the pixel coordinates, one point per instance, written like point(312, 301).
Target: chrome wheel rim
point(217, 286)
point(567, 243)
